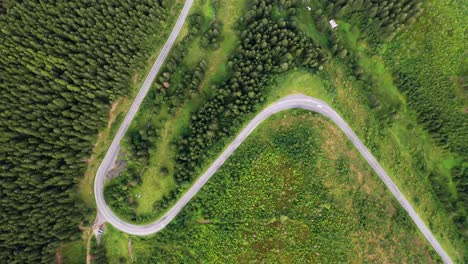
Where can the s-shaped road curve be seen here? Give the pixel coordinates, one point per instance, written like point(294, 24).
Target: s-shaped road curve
point(105, 214)
point(289, 102)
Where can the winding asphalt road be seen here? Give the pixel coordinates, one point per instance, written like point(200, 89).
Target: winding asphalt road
point(105, 214)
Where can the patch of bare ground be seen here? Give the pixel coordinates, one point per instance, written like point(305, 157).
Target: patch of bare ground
point(135, 78)
point(204, 221)
point(374, 251)
point(111, 120)
point(98, 139)
point(112, 112)
point(59, 256)
point(335, 146)
point(152, 58)
point(419, 243)
point(130, 250)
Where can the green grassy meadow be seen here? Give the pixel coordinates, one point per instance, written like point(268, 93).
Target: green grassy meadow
point(294, 191)
point(74, 253)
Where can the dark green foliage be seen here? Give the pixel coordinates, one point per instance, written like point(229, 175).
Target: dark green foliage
point(212, 36)
point(98, 251)
point(61, 64)
point(167, 200)
point(6, 4)
point(163, 82)
point(100, 254)
point(378, 20)
point(140, 143)
point(460, 177)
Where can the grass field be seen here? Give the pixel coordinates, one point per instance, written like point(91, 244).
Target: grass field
point(116, 245)
point(382, 116)
point(294, 191)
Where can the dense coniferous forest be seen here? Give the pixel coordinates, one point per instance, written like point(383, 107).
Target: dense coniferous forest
point(61, 63)
point(378, 21)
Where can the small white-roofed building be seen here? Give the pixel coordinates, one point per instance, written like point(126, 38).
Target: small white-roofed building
point(333, 24)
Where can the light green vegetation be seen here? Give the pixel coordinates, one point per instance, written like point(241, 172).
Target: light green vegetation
point(74, 252)
point(384, 95)
point(307, 25)
point(229, 12)
point(404, 149)
point(195, 50)
point(294, 191)
point(298, 82)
